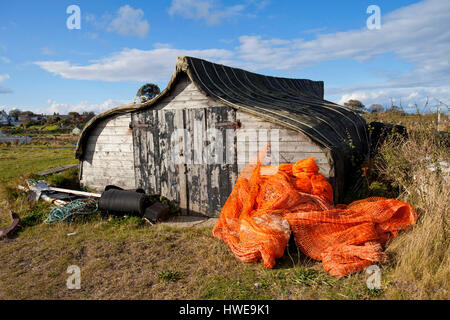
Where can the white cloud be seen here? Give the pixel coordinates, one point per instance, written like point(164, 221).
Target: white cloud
point(53, 106)
point(130, 65)
point(5, 59)
point(8, 108)
point(126, 21)
point(208, 10)
point(4, 77)
point(129, 21)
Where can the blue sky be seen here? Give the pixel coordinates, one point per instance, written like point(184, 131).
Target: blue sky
point(45, 67)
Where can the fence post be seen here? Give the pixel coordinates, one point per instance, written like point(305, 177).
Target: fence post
point(438, 117)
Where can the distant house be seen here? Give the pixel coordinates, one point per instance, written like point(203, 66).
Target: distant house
point(31, 117)
point(37, 117)
point(4, 118)
point(24, 117)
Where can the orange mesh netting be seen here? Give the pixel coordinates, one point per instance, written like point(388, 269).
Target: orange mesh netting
point(267, 203)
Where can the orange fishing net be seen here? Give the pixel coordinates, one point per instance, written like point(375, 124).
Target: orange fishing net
point(267, 203)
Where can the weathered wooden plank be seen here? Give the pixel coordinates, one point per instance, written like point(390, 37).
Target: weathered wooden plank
point(112, 164)
point(105, 155)
point(249, 122)
point(126, 157)
point(100, 174)
point(120, 131)
point(102, 147)
point(57, 169)
point(144, 157)
point(261, 125)
point(180, 141)
point(173, 118)
point(293, 136)
point(302, 155)
point(191, 104)
point(117, 164)
point(114, 139)
point(166, 128)
point(137, 143)
point(121, 121)
point(153, 149)
point(196, 170)
point(110, 124)
point(184, 88)
point(213, 151)
point(97, 172)
point(228, 169)
point(283, 134)
point(100, 184)
point(231, 150)
point(152, 140)
point(252, 146)
point(186, 97)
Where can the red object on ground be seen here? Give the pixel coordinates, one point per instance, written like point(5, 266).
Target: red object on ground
point(263, 209)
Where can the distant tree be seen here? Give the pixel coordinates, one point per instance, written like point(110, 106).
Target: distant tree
point(15, 113)
point(147, 92)
point(64, 123)
point(74, 114)
point(27, 113)
point(49, 119)
point(376, 108)
point(89, 116)
point(355, 105)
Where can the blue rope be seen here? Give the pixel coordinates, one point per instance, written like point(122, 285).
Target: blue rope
point(68, 212)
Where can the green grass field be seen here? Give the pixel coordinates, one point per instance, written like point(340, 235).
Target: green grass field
point(16, 161)
point(128, 259)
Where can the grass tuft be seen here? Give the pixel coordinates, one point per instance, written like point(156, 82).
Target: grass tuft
point(170, 275)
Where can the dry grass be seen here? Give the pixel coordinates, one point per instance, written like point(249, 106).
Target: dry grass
point(126, 261)
point(421, 262)
point(411, 121)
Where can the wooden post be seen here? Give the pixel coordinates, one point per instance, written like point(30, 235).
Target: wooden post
point(438, 117)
